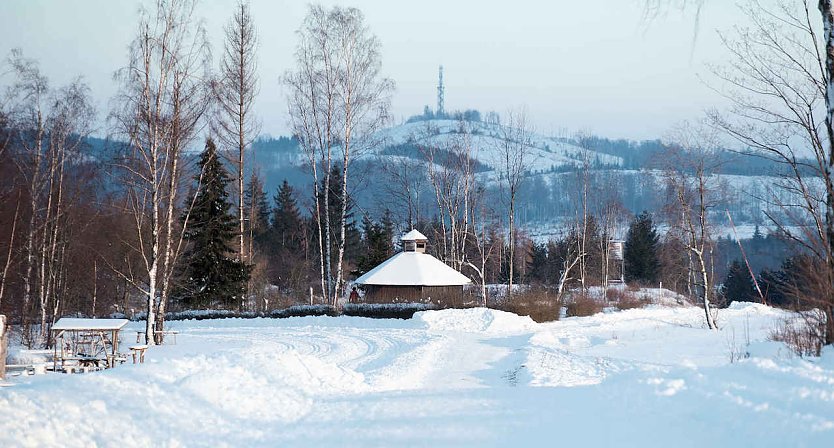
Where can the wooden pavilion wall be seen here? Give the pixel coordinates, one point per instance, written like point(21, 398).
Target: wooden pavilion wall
point(442, 296)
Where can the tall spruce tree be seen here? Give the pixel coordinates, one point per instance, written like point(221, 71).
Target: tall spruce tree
point(257, 207)
point(214, 275)
point(640, 252)
point(738, 286)
point(286, 219)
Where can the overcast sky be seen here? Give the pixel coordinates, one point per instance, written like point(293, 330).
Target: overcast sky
point(591, 66)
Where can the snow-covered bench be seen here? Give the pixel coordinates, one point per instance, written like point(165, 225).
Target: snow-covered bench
point(138, 351)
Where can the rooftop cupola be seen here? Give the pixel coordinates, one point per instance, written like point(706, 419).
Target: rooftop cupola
point(414, 241)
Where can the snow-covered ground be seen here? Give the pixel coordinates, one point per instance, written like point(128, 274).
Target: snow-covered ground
point(476, 377)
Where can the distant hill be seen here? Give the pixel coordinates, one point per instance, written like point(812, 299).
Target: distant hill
point(632, 170)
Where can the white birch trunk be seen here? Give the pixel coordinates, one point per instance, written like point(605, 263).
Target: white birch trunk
point(826, 8)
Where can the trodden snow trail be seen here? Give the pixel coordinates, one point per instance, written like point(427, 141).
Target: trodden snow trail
point(477, 377)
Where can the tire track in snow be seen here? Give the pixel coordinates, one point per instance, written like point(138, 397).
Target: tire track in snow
point(389, 358)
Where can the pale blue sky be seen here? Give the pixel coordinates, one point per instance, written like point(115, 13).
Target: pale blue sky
point(593, 66)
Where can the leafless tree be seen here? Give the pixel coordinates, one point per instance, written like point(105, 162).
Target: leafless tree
point(337, 101)
point(234, 122)
point(405, 178)
point(689, 173)
point(68, 124)
point(611, 215)
point(515, 151)
point(780, 84)
point(482, 219)
point(158, 111)
point(52, 125)
point(572, 257)
point(450, 165)
point(29, 95)
point(580, 196)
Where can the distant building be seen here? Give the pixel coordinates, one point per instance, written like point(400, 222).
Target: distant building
point(413, 276)
point(616, 261)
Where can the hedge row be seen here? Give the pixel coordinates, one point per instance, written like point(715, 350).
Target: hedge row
point(374, 311)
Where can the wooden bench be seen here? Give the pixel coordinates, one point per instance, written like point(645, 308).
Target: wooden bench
point(78, 364)
point(117, 358)
point(20, 369)
point(138, 351)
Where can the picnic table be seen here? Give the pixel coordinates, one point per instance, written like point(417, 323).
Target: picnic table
point(86, 343)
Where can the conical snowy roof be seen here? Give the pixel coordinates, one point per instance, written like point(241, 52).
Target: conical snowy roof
point(413, 269)
point(414, 235)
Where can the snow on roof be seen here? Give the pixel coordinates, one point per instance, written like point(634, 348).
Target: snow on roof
point(413, 269)
point(69, 323)
point(414, 235)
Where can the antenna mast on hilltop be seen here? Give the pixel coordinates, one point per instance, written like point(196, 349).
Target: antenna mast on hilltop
point(440, 94)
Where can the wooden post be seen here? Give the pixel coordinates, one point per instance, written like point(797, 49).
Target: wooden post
point(4, 339)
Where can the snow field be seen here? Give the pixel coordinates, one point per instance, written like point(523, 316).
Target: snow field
point(474, 377)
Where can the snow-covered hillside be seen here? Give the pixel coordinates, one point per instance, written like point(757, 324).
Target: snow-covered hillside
point(551, 191)
point(546, 153)
point(476, 377)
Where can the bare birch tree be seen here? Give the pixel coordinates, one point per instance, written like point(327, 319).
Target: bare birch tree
point(450, 166)
point(515, 152)
point(29, 95)
point(337, 101)
point(158, 110)
point(51, 126)
point(68, 124)
point(692, 163)
point(779, 82)
point(234, 123)
point(582, 213)
point(806, 56)
point(482, 218)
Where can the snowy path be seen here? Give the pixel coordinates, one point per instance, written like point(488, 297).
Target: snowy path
point(451, 378)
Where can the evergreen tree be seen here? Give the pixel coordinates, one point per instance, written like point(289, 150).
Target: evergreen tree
point(772, 282)
point(640, 252)
point(213, 277)
point(539, 264)
point(738, 286)
point(286, 219)
point(257, 207)
point(377, 243)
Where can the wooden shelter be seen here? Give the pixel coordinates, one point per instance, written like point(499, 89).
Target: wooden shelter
point(413, 276)
point(616, 261)
point(86, 343)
